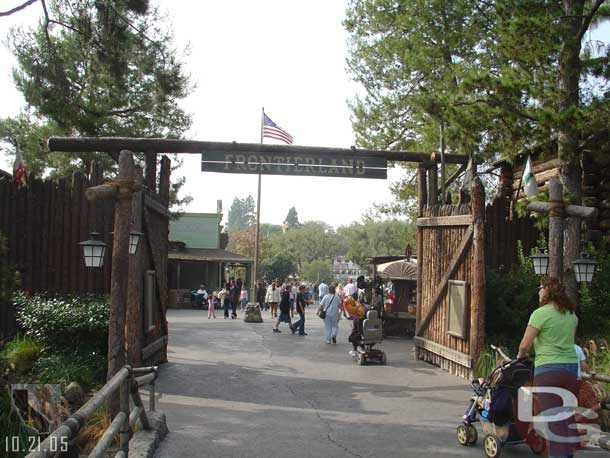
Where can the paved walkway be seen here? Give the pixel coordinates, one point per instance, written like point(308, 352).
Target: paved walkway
point(235, 389)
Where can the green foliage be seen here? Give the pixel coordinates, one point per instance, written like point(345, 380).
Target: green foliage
point(317, 271)
point(292, 219)
point(511, 297)
point(65, 323)
point(279, 266)
point(78, 365)
point(20, 354)
point(486, 363)
point(369, 239)
point(242, 214)
point(594, 309)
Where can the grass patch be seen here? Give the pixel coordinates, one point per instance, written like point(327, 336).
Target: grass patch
point(20, 354)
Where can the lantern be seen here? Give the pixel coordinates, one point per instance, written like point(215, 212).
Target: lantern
point(134, 238)
point(93, 251)
point(541, 263)
point(584, 268)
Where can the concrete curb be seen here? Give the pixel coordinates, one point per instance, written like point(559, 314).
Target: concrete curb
point(144, 443)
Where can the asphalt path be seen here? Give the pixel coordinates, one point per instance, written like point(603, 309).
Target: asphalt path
point(236, 389)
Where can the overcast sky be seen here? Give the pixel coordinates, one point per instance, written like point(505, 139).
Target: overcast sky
point(285, 56)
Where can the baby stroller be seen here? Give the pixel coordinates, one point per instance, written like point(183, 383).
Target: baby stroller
point(492, 406)
point(366, 335)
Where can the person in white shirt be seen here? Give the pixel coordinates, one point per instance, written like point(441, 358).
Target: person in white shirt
point(322, 290)
point(273, 298)
point(350, 289)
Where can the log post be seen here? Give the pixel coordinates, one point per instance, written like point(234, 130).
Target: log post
point(422, 191)
point(423, 197)
point(556, 225)
point(432, 185)
point(150, 178)
point(120, 270)
point(134, 324)
point(164, 183)
point(477, 313)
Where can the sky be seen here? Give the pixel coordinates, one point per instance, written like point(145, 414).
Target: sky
point(286, 56)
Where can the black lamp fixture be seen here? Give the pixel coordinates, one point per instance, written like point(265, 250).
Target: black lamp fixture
point(584, 268)
point(94, 251)
point(541, 263)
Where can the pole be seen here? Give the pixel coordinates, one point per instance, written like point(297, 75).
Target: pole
point(443, 172)
point(556, 214)
point(258, 216)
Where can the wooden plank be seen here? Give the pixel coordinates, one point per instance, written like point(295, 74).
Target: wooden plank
point(76, 282)
point(153, 348)
point(459, 220)
point(356, 171)
point(447, 353)
point(66, 256)
point(477, 307)
point(155, 206)
point(28, 234)
point(162, 145)
point(436, 301)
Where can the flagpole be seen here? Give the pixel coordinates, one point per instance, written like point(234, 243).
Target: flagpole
point(258, 217)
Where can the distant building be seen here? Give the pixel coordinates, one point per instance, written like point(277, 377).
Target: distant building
point(196, 257)
point(344, 269)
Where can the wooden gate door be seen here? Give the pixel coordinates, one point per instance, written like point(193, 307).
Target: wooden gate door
point(451, 284)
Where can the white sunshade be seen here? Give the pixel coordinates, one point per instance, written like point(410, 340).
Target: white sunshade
point(398, 270)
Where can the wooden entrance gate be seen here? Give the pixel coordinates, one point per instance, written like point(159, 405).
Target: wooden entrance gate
point(451, 283)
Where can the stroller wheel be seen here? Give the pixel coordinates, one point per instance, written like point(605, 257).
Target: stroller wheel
point(461, 433)
point(493, 446)
point(473, 436)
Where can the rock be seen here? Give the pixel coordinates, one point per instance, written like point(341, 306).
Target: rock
point(253, 314)
point(144, 443)
point(74, 394)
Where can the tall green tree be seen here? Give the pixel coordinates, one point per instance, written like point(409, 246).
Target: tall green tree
point(241, 214)
point(93, 68)
point(292, 219)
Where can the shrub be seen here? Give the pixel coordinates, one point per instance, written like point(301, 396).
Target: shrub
point(11, 426)
point(594, 309)
point(65, 323)
point(20, 354)
point(88, 369)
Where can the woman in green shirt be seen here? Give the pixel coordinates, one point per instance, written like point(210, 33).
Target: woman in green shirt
point(551, 330)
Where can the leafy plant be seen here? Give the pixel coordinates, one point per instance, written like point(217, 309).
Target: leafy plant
point(20, 354)
point(10, 426)
point(486, 363)
point(65, 323)
point(97, 424)
point(593, 309)
point(88, 369)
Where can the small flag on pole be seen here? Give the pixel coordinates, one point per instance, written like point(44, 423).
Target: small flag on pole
point(19, 174)
point(529, 179)
point(272, 130)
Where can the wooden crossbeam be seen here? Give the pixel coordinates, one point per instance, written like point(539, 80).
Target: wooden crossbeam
point(435, 221)
point(440, 292)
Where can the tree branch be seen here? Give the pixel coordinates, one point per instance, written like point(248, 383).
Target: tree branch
point(588, 18)
point(17, 8)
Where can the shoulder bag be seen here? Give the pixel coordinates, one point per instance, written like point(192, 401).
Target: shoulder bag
point(322, 310)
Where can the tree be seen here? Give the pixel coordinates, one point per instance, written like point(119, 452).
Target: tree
point(292, 219)
point(241, 214)
point(279, 266)
point(94, 68)
point(317, 271)
point(376, 239)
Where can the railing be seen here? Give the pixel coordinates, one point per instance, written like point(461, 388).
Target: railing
point(128, 382)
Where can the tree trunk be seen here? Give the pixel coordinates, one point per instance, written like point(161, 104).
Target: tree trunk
point(568, 135)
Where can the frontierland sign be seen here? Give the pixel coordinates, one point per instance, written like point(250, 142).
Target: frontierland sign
point(297, 164)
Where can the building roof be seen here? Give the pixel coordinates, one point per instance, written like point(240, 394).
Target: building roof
point(207, 254)
point(398, 270)
point(196, 230)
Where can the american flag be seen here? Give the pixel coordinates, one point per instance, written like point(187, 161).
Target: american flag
point(272, 130)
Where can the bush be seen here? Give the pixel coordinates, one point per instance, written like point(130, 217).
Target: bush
point(65, 323)
point(20, 354)
point(88, 369)
point(511, 298)
point(10, 426)
point(594, 306)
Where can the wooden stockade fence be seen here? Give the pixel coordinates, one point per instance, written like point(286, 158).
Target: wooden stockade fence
point(44, 223)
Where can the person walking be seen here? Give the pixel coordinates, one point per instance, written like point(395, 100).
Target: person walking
point(284, 312)
point(273, 298)
point(331, 304)
point(243, 298)
point(300, 308)
point(235, 293)
point(224, 297)
point(322, 290)
point(260, 295)
point(551, 330)
point(212, 303)
point(350, 289)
